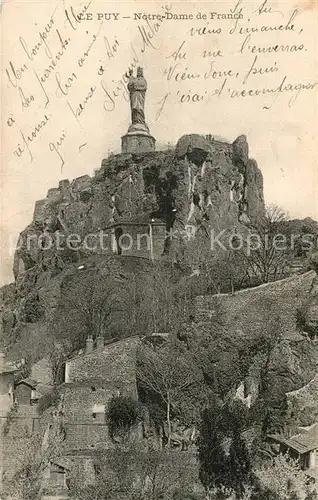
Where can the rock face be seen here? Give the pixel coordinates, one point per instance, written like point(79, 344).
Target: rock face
point(203, 185)
point(207, 184)
point(254, 316)
point(303, 403)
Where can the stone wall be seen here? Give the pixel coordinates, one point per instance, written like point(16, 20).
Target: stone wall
point(82, 437)
point(16, 439)
point(91, 381)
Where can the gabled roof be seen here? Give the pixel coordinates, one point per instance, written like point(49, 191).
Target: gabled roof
point(303, 442)
point(9, 369)
point(108, 343)
point(61, 462)
point(29, 382)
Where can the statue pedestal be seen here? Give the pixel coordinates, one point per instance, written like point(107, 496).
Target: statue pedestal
point(137, 142)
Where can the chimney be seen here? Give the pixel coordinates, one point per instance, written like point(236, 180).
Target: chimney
point(100, 342)
point(2, 361)
point(89, 344)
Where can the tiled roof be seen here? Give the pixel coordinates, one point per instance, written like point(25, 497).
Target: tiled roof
point(61, 462)
point(303, 442)
point(8, 369)
point(28, 381)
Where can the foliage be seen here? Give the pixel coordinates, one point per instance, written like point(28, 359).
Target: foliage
point(281, 479)
point(159, 301)
point(239, 464)
point(300, 319)
point(10, 418)
point(33, 310)
point(93, 300)
point(58, 352)
point(224, 273)
point(47, 400)
point(24, 371)
point(167, 372)
point(123, 413)
point(313, 261)
point(33, 460)
point(268, 252)
point(211, 452)
point(275, 414)
point(136, 475)
point(111, 301)
point(304, 325)
point(225, 464)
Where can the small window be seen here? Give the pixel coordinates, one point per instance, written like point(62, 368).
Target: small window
point(98, 413)
point(98, 408)
point(97, 469)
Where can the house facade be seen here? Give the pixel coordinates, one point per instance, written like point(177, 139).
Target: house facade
point(91, 379)
point(302, 447)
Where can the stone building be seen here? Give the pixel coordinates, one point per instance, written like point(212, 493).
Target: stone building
point(302, 446)
point(91, 379)
point(140, 237)
point(25, 392)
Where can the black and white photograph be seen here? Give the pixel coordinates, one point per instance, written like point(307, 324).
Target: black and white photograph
point(159, 250)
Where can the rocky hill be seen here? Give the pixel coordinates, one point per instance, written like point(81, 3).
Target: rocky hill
point(255, 345)
point(262, 324)
point(202, 184)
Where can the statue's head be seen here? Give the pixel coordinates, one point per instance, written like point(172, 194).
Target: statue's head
point(140, 71)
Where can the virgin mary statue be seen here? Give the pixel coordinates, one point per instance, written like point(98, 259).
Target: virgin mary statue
point(137, 87)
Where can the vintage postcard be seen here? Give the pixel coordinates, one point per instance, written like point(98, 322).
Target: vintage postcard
point(159, 250)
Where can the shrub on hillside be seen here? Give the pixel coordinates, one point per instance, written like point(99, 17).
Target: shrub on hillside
point(48, 400)
point(123, 413)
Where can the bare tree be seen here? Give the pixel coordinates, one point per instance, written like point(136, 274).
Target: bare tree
point(94, 300)
point(158, 301)
point(266, 251)
point(35, 455)
point(58, 352)
point(167, 372)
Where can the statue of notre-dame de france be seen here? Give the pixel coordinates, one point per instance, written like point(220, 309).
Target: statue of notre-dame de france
point(138, 138)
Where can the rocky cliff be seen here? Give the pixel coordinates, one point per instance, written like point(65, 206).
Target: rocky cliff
point(258, 330)
point(203, 184)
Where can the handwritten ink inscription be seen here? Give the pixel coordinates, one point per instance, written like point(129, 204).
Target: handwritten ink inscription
point(68, 73)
